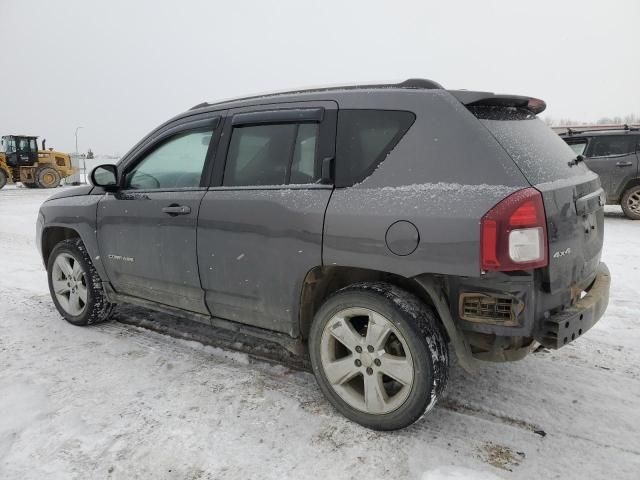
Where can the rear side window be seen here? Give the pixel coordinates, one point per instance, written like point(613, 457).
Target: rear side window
point(365, 138)
point(538, 151)
point(611, 145)
point(275, 154)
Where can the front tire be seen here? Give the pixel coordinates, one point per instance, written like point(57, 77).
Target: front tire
point(631, 203)
point(3, 179)
point(379, 355)
point(75, 285)
point(47, 177)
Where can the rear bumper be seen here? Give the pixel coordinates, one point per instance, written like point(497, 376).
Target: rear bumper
point(565, 326)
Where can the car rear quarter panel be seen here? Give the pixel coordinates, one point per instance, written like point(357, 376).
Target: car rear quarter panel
point(443, 176)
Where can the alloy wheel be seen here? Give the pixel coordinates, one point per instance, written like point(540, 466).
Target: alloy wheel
point(366, 360)
point(70, 284)
point(633, 202)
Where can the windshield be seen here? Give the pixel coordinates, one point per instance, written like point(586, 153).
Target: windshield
point(539, 153)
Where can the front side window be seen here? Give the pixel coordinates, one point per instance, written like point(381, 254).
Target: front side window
point(275, 154)
point(176, 163)
point(611, 145)
point(365, 138)
point(578, 146)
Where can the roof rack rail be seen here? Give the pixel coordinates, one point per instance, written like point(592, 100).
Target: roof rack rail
point(200, 105)
point(412, 83)
point(578, 129)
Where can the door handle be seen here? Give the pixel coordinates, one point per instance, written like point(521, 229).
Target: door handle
point(174, 210)
point(624, 164)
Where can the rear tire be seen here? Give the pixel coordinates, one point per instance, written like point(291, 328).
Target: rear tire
point(631, 203)
point(3, 179)
point(47, 177)
point(379, 355)
point(75, 286)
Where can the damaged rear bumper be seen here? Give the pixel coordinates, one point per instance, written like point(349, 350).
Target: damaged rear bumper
point(565, 326)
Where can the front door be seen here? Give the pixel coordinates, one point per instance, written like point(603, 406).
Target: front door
point(260, 227)
point(147, 230)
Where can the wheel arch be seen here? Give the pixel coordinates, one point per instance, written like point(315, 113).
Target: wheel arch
point(53, 235)
point(322, 281)
point(634, 182)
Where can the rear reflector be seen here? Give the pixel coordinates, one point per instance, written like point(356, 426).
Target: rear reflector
point(513, 234)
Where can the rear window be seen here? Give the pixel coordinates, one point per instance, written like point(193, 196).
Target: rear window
point(365, 138)
point(539, 153)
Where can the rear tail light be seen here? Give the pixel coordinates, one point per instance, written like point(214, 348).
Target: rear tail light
point(513, 234)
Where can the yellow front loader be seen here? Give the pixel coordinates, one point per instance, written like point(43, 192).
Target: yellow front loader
point(21, 161)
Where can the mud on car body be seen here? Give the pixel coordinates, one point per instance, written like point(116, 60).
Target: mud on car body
point(376, 227)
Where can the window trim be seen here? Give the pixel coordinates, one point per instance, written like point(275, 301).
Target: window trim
point(281, 116)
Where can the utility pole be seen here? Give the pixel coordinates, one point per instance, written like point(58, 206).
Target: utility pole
point(84, 162)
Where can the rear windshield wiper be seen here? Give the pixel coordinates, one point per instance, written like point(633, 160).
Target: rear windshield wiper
point(576, 161)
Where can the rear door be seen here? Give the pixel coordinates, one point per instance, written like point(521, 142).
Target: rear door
point(147, 230)
point(260, 226)
point(613, 157)
point(572, 195)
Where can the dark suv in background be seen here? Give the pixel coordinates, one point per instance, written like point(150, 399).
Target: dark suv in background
point(372, 228)
point(614, 154)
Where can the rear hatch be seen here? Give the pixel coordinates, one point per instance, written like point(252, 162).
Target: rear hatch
point(572, 195)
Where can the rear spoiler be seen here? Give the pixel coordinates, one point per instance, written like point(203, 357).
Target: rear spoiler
point(488, 99)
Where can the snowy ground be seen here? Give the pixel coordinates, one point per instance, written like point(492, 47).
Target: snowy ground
point(117, 401)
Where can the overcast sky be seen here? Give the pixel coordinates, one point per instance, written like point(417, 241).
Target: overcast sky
point(119, 68)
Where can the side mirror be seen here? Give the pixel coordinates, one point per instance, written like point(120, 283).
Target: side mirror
point(105, 176)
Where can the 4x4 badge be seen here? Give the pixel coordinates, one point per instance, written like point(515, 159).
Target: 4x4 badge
point(562, 253)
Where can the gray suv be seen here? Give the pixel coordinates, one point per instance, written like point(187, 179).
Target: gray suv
point(614, 154)
point(372, 229)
